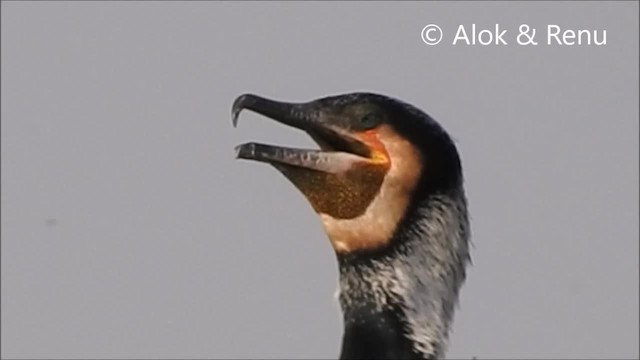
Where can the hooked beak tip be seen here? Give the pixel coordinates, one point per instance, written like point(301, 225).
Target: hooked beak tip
point(234, 117)
point(242, 102)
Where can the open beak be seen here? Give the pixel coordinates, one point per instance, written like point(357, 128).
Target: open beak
point(339, 150)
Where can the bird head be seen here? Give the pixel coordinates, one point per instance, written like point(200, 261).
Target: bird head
point(376, 156)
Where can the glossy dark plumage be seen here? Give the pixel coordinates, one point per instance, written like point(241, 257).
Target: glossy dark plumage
point(399, 292)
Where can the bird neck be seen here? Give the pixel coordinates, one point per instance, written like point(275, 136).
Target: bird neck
point(399, 303)
point(373, 333)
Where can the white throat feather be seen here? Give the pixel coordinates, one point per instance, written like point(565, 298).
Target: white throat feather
point(421, 274)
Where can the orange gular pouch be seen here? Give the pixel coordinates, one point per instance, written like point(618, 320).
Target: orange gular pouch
point(344, 195)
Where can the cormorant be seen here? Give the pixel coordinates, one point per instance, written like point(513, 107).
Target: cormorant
point(387, 184)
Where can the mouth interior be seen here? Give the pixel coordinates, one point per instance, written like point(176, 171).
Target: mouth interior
point(331, 141)
point(339, 150)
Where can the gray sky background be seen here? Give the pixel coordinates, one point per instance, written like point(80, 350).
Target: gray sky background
point(129, 230)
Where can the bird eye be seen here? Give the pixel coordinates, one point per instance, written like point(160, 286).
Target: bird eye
point(370, 120)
